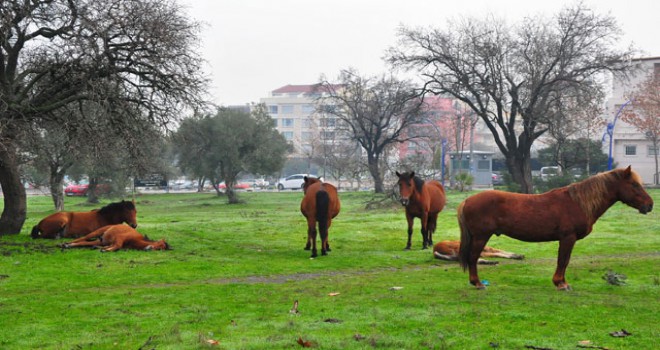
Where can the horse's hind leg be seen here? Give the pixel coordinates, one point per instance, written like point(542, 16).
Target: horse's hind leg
point(430, 227)
point(425, 230)
point(477, 246)
point(311, 235)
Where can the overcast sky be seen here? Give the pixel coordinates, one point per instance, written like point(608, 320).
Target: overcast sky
point(255, 46)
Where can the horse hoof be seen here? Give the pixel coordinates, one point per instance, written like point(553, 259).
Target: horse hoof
point(306, 248)
point(564, 288)
point(406, 248)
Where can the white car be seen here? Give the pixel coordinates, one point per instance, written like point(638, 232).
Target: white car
point(294, 182)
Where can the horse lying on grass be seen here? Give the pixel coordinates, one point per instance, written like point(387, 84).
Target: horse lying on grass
point(448, 250)
point(320, 204)
point(565, 214)
point(72, 224)
point(114, 237)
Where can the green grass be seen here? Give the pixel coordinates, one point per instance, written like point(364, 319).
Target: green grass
point(236, 270)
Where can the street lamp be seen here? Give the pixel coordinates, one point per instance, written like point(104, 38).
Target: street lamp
point(610, 132)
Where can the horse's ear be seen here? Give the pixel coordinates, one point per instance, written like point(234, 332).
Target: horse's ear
point(397, 174)
point(627, 172)
point(412, 174)
point(306, 179)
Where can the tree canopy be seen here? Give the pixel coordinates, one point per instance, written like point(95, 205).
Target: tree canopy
point(518, 79)
point(134, 59)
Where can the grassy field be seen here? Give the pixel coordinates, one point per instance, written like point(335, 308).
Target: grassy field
point(236, 270)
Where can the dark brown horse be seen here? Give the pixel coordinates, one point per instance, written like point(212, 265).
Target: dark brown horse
point(320, 204)
point(114, 237)
point(423, 200)
point(564, 214)
point(71, 224)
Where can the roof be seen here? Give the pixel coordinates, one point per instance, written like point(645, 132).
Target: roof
point(302, 88)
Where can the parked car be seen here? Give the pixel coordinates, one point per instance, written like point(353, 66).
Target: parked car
point(549, 171)
point(238, 186)
point(293, 182)
point(261, 183)
point(81, 189)
point(497, 179)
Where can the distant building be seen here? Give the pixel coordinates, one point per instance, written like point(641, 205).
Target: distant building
point(629, 145)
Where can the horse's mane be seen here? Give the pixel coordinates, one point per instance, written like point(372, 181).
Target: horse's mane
point(591, 193)
point(419, 183)
point(116, 207)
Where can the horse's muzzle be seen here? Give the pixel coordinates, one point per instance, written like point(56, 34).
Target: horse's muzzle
point(404, 201)
point(133, 225)
point(644, 209)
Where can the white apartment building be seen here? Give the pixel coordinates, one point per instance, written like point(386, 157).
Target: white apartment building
point(629, 146)
point(292, 108)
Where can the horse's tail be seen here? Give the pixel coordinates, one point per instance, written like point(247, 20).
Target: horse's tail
point(35, 231)
point(322, 209)
point(466, 238)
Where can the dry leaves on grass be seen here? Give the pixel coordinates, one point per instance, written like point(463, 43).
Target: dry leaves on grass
point(305, 343)
point(620, 334)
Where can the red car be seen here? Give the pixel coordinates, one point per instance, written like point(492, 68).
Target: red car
point(81, 190)
point(238, 186)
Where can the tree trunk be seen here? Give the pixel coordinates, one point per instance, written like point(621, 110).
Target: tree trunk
point(15, 201)
point(374, 170)
point(521, 170)
point(55, 181)
point(91, 191)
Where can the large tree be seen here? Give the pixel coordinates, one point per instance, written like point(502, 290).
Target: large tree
point(230, 143)
point(136, 59)
point(515, 78)
point(645, 114)
point(375, 112)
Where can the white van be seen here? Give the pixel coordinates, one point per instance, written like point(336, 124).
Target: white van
point(549, 171)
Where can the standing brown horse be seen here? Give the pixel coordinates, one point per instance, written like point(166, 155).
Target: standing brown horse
point(75, 224)
point(423, 200)
point(319, 204)
point(564, 214)
point(114, 237)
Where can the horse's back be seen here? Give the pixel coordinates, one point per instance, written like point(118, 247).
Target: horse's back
point(82, 223)
point(308, 204)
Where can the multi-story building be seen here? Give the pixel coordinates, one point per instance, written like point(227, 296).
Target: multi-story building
point(628, 145)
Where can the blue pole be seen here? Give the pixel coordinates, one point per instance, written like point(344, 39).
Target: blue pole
point(610, 132)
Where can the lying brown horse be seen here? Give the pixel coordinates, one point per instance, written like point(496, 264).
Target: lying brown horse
point(423, 200)
point(71, 224)
point(320, 204)
point(564, 214)
point(448, 250)
point(114, 237)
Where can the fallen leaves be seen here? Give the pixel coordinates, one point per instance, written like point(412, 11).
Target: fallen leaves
point(333, 294)
point(620, 334)
point(305, 343)
point(295, 308)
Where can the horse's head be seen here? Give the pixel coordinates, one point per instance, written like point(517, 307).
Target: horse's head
point(129, 213)
point(308, 182)
point(406, 187)
point(158, 245)
point(631, 191)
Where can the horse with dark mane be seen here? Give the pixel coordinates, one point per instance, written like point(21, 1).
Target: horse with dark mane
point(320, 204)
point(423, 200)
point(114, 237)
point(71, 224)
point(565, 214)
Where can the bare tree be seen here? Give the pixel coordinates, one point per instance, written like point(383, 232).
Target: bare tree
point(645, 114)
point(123, 55)
point(512, 77)
point(374, 112)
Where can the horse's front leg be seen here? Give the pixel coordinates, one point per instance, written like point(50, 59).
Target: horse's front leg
point(410, 220)
point(565, 249)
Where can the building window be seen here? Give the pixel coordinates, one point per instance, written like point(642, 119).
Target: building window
point(306, 123)
point(287, 122)
point(328, 122)
point(275, 122)
point(652, 151)
point(287, 109)
point(631, 150)
point(308, 109)
point(288, 135)
point(306, 136)
point(483, 165)
point(327, 135)
point(272, 109)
